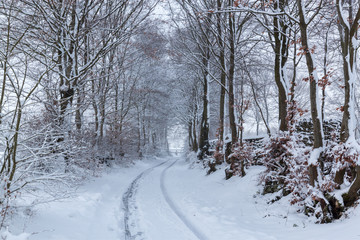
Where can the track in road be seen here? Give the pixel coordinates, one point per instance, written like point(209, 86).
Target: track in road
point(173, 206)
point(129, 201)
point(130, 207)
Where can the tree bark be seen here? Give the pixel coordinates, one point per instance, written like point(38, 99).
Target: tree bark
point(222, 73)
point(204, 127)
point(231, 74)
point(190, 137)
point(351, 196)
point(313, 78)
point(281, 55)
point(195, 147)
point(348, 28)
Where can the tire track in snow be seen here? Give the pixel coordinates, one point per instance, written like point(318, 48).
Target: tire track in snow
point(129, 202)
point(176, 209)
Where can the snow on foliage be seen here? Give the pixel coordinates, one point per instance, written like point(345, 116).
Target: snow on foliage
point(287, 160)
point(6, 235)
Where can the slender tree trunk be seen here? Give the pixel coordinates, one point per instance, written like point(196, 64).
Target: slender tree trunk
point(204, 127)
point(260, 110)
point(281, 53)
point(96, 111)
point(79, 102)
point(348, 27)
point(5, 70)
point(241, 112)
point(344, 132)
point(190, 135)
point(195, 145)
point(231, 74)
point(102, 121)
point(313, 78)
point(222, 73)
point(325, 74)
point(139, 133)
point(291, 114)
point(15, 144)
point(348, 30)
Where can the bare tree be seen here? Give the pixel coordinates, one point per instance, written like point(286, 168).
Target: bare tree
point(348, 27)
point(304, 22)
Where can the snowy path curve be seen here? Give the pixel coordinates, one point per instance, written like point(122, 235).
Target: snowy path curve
point(129, 202)
point(174, 207)
point(167, 200)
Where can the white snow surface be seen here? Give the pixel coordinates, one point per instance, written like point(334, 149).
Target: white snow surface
point(163, 199)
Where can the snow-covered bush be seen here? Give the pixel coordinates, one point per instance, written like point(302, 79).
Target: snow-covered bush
point(326, 200)
point(284, 157)
point(219, 154)
point(6, 198)
point(240, 158)
point(217, 157)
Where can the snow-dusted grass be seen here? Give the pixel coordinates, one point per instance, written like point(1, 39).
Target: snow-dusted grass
point(215, 208)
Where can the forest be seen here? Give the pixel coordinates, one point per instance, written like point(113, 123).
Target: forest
point(85, 84)
point(275, 86)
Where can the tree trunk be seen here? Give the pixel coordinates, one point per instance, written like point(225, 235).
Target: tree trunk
point(195, 145)
point(190, 136)
point(281, 54)
point(348, 28)
point(78, 121)
point(231, 75)
point(313, 78)
point(222, 74)
point(204, 127)
point(351, 196)
point(139, 134)
point(241, 112)
point(66, 65)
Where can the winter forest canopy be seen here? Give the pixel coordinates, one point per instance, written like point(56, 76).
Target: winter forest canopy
point(249, 82)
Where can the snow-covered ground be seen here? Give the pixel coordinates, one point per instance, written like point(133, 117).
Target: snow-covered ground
point(164, 199)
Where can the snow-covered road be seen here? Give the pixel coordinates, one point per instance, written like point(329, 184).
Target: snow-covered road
point(158, 216)
point(130, 206)
point(163, 199)
point(151, 213)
